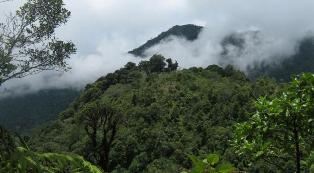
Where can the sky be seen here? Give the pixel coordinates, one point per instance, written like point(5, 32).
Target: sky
point(104, 30)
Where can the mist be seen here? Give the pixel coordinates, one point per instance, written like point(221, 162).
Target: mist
point(104, 30)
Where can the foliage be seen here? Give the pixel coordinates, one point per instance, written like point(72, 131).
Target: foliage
point(23, 160)
point(27, 41)
point(157, 64)
point(210, 165)
point(310, 162)
point(101, 123)
point(282, 127)
point(166, 115)
point(23, 113)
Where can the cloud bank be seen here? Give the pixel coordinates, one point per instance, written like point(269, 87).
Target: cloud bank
point(104, 30)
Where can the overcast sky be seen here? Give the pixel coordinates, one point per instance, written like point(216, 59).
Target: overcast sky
point(104, 30)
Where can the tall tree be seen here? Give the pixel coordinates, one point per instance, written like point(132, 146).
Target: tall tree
point(282, 126)
point(28, 43)
point(101, 124)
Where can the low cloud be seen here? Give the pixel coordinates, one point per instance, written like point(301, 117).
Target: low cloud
point(104, 30)
point(257, 48)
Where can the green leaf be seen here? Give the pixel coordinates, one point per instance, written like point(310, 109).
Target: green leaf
point(198, 165)
point(213, 159)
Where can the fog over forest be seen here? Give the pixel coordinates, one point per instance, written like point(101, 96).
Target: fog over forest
point(104, 30)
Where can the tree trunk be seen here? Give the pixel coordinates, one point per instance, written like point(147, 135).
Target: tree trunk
point(104, 159)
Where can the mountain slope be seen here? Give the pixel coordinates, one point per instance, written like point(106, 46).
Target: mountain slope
point(301, 61)
point(22, 113)
point(165, 115)
point(189, 31)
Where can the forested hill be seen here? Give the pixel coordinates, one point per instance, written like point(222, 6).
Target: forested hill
point(189, 32)
point(22, 113)
point(149, 117)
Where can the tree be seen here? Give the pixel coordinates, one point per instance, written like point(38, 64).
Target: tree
point(282, 126)
point(101, 124)
point(172, 66)
point(155, 64)
point(28, 43)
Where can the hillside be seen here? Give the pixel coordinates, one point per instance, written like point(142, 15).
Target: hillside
point(301, 61)
point(22, 113)
point(17, 120)
point(156, 115)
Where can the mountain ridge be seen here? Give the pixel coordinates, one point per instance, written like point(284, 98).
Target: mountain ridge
point(188, 31)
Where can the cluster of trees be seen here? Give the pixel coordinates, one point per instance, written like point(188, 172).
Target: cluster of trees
point(147, 118)
point(140, 119)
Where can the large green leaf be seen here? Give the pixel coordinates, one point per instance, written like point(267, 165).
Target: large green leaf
point(212, 159)
point(198, 165)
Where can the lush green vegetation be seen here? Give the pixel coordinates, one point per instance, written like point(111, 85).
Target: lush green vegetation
point(28, 43)
point(15, 157)
point(210, 165)
point(282, 128)
point(148, 118)
point(151, 117)
point(23, 113)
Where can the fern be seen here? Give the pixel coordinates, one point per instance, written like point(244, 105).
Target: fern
point(25, 161)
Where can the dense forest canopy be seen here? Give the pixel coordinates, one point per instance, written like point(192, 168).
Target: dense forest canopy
point(159, 115)
point(152, 117)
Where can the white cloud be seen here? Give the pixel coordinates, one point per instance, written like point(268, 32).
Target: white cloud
point(104, 30)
